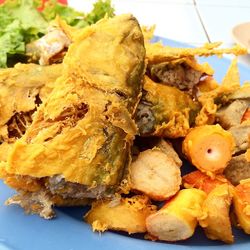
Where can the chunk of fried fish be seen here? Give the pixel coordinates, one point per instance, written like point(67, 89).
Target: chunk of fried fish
point(83, 131)
point(165, 111)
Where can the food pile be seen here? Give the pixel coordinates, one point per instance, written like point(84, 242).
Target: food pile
point(102, 116)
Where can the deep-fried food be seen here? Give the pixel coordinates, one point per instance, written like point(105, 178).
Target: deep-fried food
point(178, 218)
point(165, 111)
point(198, 179)
point(156, 174)
point(84, 130)
point(122, 214)
point(209, 148)
point(238, 169)
point(23, 86)
point(241, 201)
point(216, 221)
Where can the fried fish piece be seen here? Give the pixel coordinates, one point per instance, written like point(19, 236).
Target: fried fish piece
point(84, 129)
point(184, 73)
point(21, 89)
point(213, 99)
point(165, 111)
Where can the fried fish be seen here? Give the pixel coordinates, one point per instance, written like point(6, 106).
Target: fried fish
point(79, 141)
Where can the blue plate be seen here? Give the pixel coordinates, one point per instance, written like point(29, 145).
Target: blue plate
point(67, 231)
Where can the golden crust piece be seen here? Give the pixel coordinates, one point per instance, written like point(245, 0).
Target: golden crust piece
point(84, 129)
point(215, 220)
point(157, 53)
point(241, 201)
point(21, 86)
point(124, 214)
point(211, 99)
point(173, 110)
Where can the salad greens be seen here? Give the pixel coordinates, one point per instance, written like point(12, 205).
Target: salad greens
point(21, 22)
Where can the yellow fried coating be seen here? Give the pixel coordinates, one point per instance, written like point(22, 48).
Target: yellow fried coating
point(216, 221)
point(19, 182)
point(83, 131)
point(209, 148)
point(211, 99)
point(20, 86)
point(241, 201)
point(125, 214)
point(156, 52)
point(173, 109)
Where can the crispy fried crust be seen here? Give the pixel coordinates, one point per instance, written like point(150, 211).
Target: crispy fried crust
point(216, 221)
point(84, 130)
point(125, 214)
point(172, 109)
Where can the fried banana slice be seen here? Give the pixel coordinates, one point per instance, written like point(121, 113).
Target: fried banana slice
point(124, 214)
point(216, 221)
point(83, 131)
point(155, 174)
point(177, 219)
point(165, 111)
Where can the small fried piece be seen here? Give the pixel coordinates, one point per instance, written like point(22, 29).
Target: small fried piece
point(210, 100)
point(165, 111)
point(124, 214)
point(241, 201)
point(157, 52)
point(232, 115)
point(182, 73)
point(198, 179)
point(177, 219)
point(155, 174)
point(237, 169)
point(216, 221)
point(209, 148)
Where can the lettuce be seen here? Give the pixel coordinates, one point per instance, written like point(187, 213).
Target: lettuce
point(21, 22)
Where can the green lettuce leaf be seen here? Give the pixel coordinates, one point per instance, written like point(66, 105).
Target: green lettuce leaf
point(101, 8)
point(21, 22)
point(74, 18)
